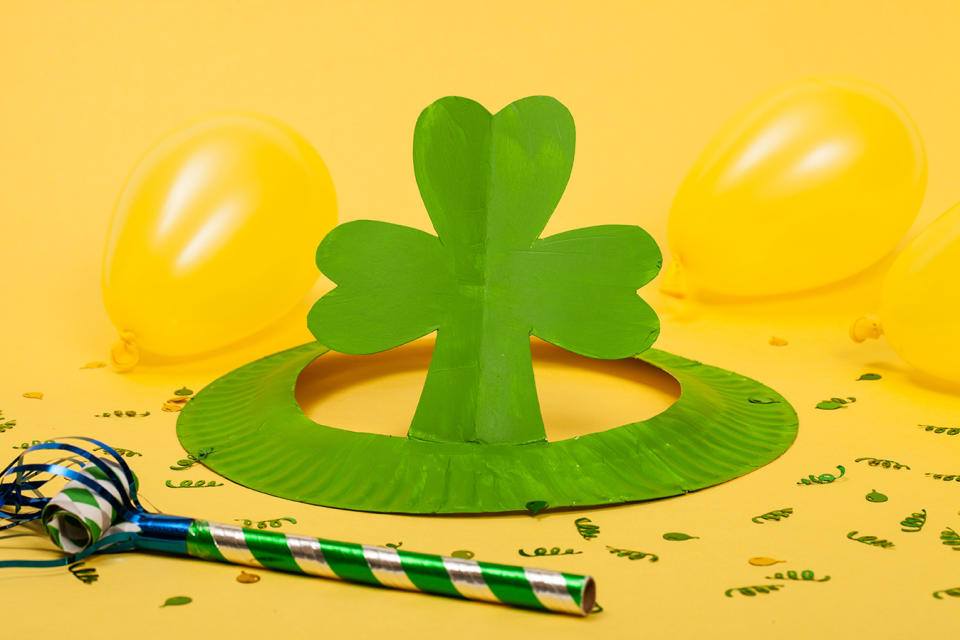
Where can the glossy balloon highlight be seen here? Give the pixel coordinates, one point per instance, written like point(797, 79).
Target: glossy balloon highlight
point(810, 184)
point(214, 236)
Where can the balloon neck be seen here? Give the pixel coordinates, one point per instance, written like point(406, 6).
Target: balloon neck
point(865, 328)
point(674, 282)
point(125, 355)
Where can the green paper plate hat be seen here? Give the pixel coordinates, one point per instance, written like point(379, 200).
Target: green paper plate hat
point(485, 283)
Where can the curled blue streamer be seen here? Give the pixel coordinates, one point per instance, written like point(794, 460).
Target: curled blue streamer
point(20, 479)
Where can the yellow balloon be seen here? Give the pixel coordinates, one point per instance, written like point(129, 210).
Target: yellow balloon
point(810, 184)
point(214, 236)
point(920, 308)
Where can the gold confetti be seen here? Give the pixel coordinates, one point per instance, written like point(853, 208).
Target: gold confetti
point(248, 578)
point(33, 394)
point(173, 407)
point(178, 400)
point(777, 341)
point(762, 561)
point(96, 364)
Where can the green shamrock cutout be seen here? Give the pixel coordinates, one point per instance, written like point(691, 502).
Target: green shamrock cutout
point(487, 281)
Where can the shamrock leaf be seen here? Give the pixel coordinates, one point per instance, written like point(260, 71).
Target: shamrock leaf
point(487, 282)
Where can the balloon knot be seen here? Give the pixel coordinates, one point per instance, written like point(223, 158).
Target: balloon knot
point(125, 355)
point(865, 328)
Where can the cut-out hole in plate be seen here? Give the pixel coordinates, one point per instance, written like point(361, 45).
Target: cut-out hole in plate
point(378, 393)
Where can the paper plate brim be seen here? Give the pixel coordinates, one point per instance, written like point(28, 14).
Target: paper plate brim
point(263, 440)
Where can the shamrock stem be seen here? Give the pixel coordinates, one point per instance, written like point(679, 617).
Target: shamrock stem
point(470, 396)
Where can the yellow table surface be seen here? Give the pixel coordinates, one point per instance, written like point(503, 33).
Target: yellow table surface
point(86, 87)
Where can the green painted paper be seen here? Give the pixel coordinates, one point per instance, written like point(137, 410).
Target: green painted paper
point(487, 282)
point(264, 441)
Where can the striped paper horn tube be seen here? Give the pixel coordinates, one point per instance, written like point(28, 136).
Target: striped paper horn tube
point(98, 510)
point(519, 586)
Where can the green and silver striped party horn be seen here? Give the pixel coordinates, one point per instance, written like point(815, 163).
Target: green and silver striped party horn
point(387, 567)
point(98, 510)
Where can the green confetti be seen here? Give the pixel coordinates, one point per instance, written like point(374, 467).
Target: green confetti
point(678, 536)
point(463, 554)
point(875, 496)
point(807, 574)
point(586, 529)
point(952, 431)
point(84, 575)
point(542, 551)
point(829, 405)
point(871, 540)
point(187, 484)
point(176, 601)
point(870, 376)
point(763, 400)
point(881, 462)
point(773, 515)
point(633, 555)
point(823, 478)
point(183, 391)
point(936, 476)
point(950, 538)
point(536, 506)
point(914, 522)
point(835, 403)
point(753, 590)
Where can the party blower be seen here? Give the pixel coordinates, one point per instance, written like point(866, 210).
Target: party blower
point(97, 510)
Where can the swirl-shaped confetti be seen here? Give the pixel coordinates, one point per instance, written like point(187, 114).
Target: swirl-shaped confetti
point(633, 555)
point(191, 459)
point(190, 484)
point(952, 477)
point(951, 431)
point(953, 592)
point(871, 540)
point(86, 576)
point(120, 413)
point(950, 538)
point(275, 522)
point(806, 574)
point(753, 590)
point(129, 453)
point(774, 515)
point(881, 462)
point(27, 445)
point(914, 522)
point(542, 551)
point(823, 478)
point(587, 530)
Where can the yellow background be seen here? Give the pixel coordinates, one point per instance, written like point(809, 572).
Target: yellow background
point(86, 87)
